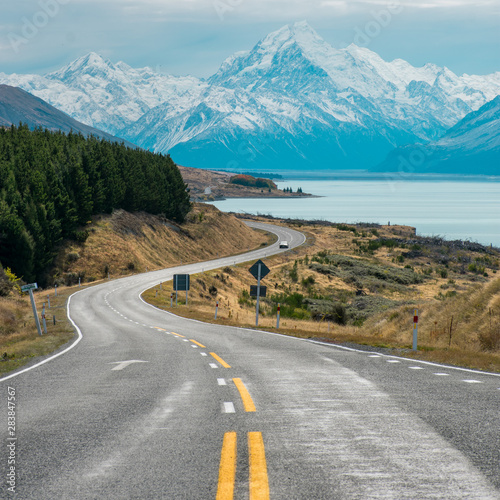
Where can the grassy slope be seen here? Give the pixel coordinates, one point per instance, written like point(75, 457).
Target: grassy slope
point(124, 243)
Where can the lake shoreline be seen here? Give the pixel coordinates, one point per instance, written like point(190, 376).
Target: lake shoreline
point(455, 210)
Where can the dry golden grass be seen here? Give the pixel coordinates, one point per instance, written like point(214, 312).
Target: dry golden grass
point(124, 243)
point(20, 342)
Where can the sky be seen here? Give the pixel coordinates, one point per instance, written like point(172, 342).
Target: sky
point(193, 37)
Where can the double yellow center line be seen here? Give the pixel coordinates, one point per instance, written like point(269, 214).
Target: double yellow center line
point(259, 483)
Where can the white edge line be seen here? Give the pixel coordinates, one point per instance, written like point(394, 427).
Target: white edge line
point(412, 360)
point(335, 346)
point(80, 337)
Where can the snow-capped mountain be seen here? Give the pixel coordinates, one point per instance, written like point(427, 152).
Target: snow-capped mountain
point(104, 95)
point(472, 146)
point(293, 101)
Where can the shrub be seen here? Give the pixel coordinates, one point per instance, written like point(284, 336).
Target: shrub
point(73, 256)
point(80, 236)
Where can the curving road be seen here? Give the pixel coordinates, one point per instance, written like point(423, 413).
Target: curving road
point(147, 405)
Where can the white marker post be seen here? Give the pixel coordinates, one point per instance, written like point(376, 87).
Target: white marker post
point(216, 308)
point(415, 330)
point(278, 317)
point(44, 320)
point(171, 299)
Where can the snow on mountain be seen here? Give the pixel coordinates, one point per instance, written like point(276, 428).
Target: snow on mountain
point(472, 146)
point(317, 107)
point(292, 101)
point(109, 96)
point(18, 106)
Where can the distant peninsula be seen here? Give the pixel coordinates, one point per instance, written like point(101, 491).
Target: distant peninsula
point(213, 185)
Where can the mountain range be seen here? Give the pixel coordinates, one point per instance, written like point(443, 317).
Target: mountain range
point(291, 102)
point(471, 146)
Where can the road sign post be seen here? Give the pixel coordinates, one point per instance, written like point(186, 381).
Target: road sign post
point(29, 288)
point(278, 317)
point(258, 295)
point(181, 283)
point(259, 271)
point(415, 330)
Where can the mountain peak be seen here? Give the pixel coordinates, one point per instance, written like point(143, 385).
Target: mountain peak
point(91, 63)
point(300, 32)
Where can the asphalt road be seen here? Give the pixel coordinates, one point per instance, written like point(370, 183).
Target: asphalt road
point(147, 405)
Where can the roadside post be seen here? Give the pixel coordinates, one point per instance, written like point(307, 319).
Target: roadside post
point(29, 288)
point(216, 309)
point(44, 322)
point(259, 271)
point(278, 317)
point(55, 290)
point(415, 330)
point(48, 300)
point(172, 299)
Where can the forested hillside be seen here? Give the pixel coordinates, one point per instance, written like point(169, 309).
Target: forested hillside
point(52, 183)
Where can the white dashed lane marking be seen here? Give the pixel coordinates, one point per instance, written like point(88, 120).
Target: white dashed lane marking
point(221, 381)
point(470, 381)
point(229, 408)
point(415, 368)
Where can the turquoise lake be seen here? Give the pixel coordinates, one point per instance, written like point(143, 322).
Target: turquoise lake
point(451, 209)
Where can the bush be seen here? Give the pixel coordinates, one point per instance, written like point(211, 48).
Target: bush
point(80, 236)
point(73, 256)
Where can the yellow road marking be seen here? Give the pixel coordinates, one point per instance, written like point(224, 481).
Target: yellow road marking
point(177, 335)
point(197, 343)
point(227, 468)
point(220, 360)
point(245, 395)
point(161, 329)
point(259, 485)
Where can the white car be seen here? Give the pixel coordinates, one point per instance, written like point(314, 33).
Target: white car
point(283, 244)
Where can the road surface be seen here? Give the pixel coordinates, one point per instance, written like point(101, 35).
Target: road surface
point(147, 405)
